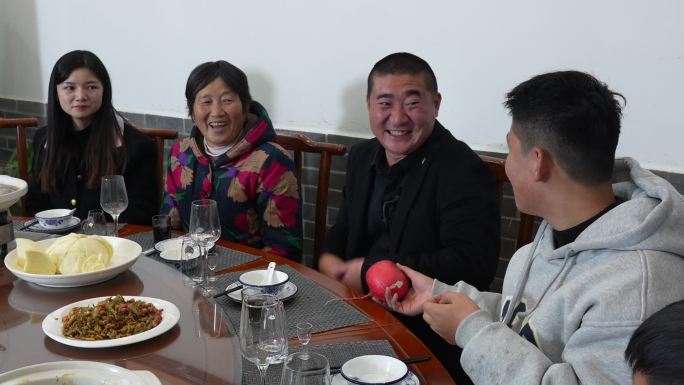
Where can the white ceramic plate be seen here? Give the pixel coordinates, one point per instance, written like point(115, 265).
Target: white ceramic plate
point(72, 224)
point(411, 379)
point(125, 254)
point(173, 243)
point(168, 244)
point(52, 324)
point(288, 292)
point(77, 373)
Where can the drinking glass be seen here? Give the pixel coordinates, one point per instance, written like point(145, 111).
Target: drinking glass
point(212, 263)
point(189, 267)
point(304, 334)
point(263, 337)
point(95, 224)
point(306, 369)
point(205, 228)
point(161, 227)
point(113, 198)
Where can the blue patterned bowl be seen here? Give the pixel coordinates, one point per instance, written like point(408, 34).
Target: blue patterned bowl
point(55, 218)
point(255, 280)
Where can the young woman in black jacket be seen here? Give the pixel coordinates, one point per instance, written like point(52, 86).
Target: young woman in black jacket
point(85, 139)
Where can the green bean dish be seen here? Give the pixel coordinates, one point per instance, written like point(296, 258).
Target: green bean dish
point(109, 319)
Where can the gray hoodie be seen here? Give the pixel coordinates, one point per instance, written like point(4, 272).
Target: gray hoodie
point(576, 307)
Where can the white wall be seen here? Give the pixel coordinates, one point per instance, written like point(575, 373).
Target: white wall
point(307, 60)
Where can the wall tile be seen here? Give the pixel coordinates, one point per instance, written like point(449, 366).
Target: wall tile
point(309, 211)
point(32, 108)
point(157, 121)
point(8, 104)
point(137, 119)
point(308, 230)
point(677, 180)
point(332, 215)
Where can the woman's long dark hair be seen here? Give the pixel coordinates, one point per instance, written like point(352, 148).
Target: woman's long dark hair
point(98, 156)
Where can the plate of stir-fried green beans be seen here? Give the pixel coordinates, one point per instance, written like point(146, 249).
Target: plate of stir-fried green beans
point(110, 321)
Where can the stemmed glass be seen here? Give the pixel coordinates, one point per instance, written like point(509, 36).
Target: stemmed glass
point(263, 340)
point(113, 197)
point(187, 252)
point(212, 263)
point(304, 334)
point(205, 228)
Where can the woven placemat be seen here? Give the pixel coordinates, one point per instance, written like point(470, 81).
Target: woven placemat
point(308, 304)
point(227, 257)
point(337, 354)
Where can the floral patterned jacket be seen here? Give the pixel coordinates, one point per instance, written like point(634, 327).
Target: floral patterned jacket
point(253, 184)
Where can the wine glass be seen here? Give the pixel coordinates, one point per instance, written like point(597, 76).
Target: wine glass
point(304, 334)
point(187, 254)
point(306, 369)
point(263, 339)
point(113, 197)
point(205, 228)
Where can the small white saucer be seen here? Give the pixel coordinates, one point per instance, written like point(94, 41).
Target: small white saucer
point(411, 379)
point(289, 290)
point(70, 225)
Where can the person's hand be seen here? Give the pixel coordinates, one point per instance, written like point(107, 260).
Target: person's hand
point(352, 274)
point(420, 291)
point(332, 266)
point(445, 312)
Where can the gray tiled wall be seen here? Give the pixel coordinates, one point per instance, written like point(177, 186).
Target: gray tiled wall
point(509, 222)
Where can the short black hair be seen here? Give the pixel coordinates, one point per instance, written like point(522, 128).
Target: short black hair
point(572, 115)
point(657, 346)
point(206, 73)
point(401, 63)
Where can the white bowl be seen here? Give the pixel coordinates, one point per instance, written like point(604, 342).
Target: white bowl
point(374, 370)
point(55, 218)
point(20, 188)
point(126, 252)
point(253, 279)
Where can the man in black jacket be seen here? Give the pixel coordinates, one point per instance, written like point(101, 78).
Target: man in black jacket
point(414, 195)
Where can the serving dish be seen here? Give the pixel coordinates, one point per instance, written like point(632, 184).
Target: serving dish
point(77, 373)
point(52, 324)
point(126, 252)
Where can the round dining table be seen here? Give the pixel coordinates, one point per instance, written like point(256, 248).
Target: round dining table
point(200, 348)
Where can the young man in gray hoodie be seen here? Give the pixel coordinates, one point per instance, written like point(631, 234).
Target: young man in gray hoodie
point(608, 253)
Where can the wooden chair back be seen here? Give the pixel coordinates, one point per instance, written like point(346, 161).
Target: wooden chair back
point(22, 156)
point(300, 144)
point(159, 136)
point(526, 227)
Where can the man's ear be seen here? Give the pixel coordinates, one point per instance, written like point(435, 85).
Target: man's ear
point(437, 101)
point(543, 163)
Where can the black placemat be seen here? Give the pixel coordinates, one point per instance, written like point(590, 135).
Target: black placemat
point(227, 257)
point(309, 304)
point(337, 354)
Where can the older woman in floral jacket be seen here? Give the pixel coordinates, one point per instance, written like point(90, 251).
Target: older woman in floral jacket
point(228, 158)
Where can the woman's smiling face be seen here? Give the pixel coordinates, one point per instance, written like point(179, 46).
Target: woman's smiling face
point(218, 113)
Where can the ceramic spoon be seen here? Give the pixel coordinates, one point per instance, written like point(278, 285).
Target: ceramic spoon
point(268, 278)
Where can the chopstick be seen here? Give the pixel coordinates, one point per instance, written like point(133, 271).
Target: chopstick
point(232, 289)
point(28, 224)
point(407, 361)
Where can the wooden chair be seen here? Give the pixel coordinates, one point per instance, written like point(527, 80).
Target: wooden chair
point(20, 126)
point(159, 135)
point(299, 144)
point(526, 227)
